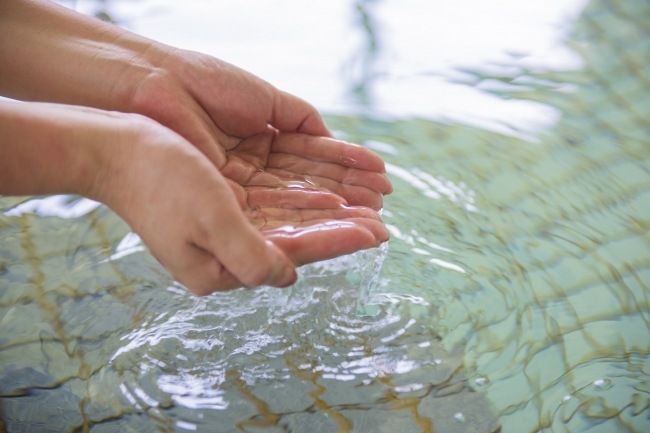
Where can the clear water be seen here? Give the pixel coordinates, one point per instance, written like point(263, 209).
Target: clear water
point(514, 293)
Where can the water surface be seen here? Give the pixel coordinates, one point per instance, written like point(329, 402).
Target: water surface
point(514, 293)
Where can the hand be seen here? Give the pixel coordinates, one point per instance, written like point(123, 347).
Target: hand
point(186, 213)
point(58, 55)
point(266, 141)
point(208, 237)
point(219, 108)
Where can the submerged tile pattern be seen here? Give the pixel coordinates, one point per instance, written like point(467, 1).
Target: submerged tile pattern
point(113, 345)
point(552, 238)
point(515, 292)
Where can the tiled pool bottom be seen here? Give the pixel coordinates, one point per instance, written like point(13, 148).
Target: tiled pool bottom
point(514, 293)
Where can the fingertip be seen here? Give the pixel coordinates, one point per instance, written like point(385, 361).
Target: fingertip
point(377, 228)
point(314, 124)
point(289, 277)
point(386, 186)
point(374, 162)
point(292, 114)
point(374, 201)
point(285, 273)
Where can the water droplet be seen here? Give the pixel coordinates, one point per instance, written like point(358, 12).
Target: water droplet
point(459, 417)
point(481, 382)
point(566, 399)
point(602, 384)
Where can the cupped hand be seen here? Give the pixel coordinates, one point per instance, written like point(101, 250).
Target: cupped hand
point(212, 233)
point(312, 235)
point(231, 116)
point(295, 187)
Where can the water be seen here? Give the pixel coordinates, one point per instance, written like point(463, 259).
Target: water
point(514, 293)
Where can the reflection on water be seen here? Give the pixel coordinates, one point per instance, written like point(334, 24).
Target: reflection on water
point(514, 293)
point(362, 62)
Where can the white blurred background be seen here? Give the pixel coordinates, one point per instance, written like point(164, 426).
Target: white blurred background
point(379, 58)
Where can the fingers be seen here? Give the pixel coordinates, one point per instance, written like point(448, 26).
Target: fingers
point(270, 189)
point(305, 236)
point(293, 114)
point(349, 176)
point(292, 198)
point(377, 228)
point(328, 150)
point(241, 248)
point(354, 195)
point(246, 174)
point(310, 235)
point(357, 186)
point(199, 271)
point(322, 241)
point(264, 215)
point(212, 246)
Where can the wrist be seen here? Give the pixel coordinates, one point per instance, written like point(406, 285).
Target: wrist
point(47, 149)
point(126, 156)
point(45, 44)
point(119, 145)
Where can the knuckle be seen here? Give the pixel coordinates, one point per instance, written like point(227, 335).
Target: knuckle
point(211, 278)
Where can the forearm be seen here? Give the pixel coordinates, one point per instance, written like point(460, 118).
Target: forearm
point(50, 149)
point(53, 54)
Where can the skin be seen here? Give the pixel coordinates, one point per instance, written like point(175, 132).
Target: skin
point(212, 104)
point(229, 181)
point(175, 198)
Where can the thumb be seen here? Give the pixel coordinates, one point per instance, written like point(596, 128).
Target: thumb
point(240, 248)
point(290, 113)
